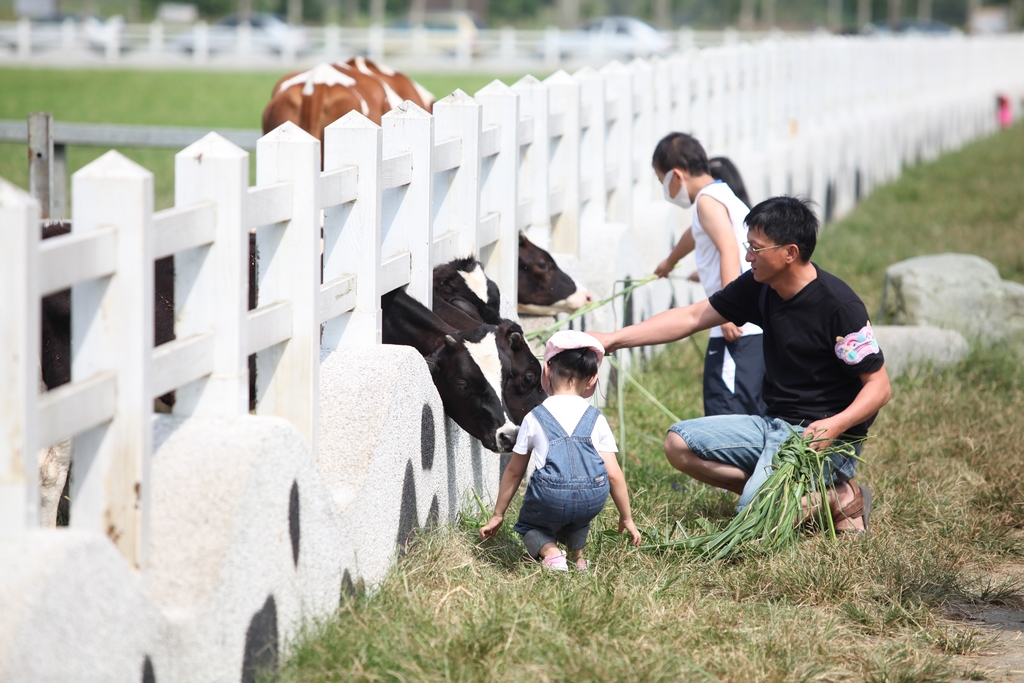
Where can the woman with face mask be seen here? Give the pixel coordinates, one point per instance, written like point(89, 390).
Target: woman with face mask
point(734, 365)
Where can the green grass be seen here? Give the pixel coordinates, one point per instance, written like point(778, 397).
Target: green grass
point(202, 99)
point(944, 463)
point(969, 202)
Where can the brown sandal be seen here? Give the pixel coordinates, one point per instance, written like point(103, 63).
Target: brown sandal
point(860, 506)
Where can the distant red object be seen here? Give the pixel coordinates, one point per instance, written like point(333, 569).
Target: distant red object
point(1005, 112)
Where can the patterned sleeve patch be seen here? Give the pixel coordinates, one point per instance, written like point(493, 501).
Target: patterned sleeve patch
point(856, 346)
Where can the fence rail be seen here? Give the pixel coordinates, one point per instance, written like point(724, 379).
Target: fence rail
point(559, 158)
point(242, 46)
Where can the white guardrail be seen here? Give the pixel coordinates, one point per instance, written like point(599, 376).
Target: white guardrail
point(505, 49)
point(553, 158)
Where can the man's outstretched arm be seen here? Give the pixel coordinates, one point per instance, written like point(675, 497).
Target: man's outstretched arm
point(665, 327)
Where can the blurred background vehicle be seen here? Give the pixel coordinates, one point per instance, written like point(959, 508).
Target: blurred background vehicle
point(444, 29)
point(909, 25)
point(614, 36)
point(268, 33)
point(51, 33)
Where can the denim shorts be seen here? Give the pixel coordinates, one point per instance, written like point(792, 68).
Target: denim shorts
point(559, 514)
point(749, 442)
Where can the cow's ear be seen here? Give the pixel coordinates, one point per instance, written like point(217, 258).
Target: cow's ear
point(451, 342)
point(522, 239)
point(515, 340)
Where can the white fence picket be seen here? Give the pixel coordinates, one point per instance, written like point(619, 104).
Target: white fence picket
point(19, 349)
point(456, 166)
point(564, 164)
point(533, 217)
point(619, 142)
point(288, 265)
point(593, 161)
point(352, 231)
point(211, 287)
point(408, 210)
point(111, 334)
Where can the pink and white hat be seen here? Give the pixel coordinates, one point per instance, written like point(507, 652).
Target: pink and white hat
point(563, 341)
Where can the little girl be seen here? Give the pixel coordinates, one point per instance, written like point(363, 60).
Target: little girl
point(572, 451)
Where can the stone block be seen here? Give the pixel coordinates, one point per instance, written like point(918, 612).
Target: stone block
point(961, 292)
point(244, 543)
point(391, 459)
point(912, 348)
point(72, 610)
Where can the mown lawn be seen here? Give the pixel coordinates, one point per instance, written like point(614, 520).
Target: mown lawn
point(945, 464)
point(203, 99)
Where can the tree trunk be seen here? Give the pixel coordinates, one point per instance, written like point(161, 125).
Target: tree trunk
point(924, 10)
point(835, 15)
point(895, 13)
point(746, 19)
point(568, 13)
point(768, 13)
point(376, 11)
point(244, 9)
point(863, 13)
point(294, 11)
point(663, 13)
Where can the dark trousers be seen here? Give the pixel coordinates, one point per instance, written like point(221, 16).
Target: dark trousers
point(733, 375)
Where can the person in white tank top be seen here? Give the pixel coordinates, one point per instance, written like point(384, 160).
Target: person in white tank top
point(734, 365)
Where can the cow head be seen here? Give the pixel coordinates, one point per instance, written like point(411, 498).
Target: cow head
point(463, 284)
point(545, 289)
point(467, 372)
point(522, 390)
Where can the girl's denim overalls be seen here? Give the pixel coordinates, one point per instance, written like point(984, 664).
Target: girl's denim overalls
point(569, 491)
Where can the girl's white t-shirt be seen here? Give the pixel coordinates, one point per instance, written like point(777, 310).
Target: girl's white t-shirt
point(567, 410)
point(709, 260)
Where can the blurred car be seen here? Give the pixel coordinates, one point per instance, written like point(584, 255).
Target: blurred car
point(614, 36)
point(269, 33)
point(908, 25)
point(443, 28)
point(49, 33)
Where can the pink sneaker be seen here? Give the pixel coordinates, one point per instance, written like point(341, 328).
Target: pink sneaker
point(556, 562)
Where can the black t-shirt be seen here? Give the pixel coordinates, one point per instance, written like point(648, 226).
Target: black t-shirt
point(816, 345)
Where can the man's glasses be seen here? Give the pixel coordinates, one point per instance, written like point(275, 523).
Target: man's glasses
point(757, 250)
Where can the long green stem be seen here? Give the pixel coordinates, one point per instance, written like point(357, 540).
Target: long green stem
point(646, 394)
point(545, 332)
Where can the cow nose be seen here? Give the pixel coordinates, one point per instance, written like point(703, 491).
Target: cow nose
point(506, 442)
point(590, 297)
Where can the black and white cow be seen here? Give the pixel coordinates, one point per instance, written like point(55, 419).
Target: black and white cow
point(464, 297)
point(466, 366)
point(544, 288)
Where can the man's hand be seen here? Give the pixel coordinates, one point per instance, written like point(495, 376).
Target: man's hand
point(694, 276)
point(606, 339)
point(824, 432)
point(664, 268)
point(490, 530)
point(627, 525)
point(731, 332)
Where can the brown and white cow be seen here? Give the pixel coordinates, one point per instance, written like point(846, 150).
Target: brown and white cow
point(316, 98)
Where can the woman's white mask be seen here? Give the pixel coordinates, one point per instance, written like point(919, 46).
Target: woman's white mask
point(682, 199)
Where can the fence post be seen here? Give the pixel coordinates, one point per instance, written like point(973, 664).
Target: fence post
point(375, 42)
point(552, 49)
point(680, 77)
point(406, 224)
point(156, 37)
point(662, 99)
point(534, 179)
point(67, 34)
point(645, 182)
point(499, 190)
point(243, 38)
point(593, 156)
point(507, 43)
point(457, 117)
point(211, 287)
point(288, 264)
point(19, 349)
point(564, 132)
point(112, 47)
point(200, 43)
point(40, 159)
point(332, 41)
point(112, 331)
point(352, 231)
point(619, 146)
point(24, 39)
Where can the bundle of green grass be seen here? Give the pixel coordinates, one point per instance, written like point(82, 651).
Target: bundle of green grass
point(789, 502)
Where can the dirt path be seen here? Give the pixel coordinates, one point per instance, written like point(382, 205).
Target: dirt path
point(1004, 659)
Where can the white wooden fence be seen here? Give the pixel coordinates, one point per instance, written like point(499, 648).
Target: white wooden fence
point(820, 117)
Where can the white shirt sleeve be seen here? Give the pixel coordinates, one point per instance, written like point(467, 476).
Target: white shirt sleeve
point(524, 442)
point(601, 436)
